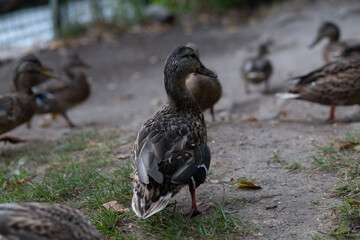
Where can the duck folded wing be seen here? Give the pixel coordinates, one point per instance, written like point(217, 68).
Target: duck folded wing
point(174, 154)
point(330, 69)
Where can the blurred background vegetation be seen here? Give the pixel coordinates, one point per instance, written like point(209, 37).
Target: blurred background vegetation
point(44, 20)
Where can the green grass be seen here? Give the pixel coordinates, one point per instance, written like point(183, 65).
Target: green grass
point(83, 172)
point(346, 162)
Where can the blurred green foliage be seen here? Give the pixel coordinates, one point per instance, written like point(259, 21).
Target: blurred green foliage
point(192, 5)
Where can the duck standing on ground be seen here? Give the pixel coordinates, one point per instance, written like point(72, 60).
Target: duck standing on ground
point(18, 108)
point(335, 48)
point(257, 69)
point(206, 90)
point(170, 150)
point(63, 95)
point(337, 83)
point(45, 221)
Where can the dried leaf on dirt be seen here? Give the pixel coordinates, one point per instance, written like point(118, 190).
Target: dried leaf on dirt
point(115, 206)
point(347, 144)
point(248, 185)
point(122, 156)
point(250, 119)
point(352, 202)
point(20, 182)
point(213, 181)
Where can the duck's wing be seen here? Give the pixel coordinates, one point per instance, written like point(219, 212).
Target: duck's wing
point(327, 70)
point(176, 152)
point(7, 106)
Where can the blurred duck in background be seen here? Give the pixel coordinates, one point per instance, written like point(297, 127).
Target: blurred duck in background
point(19, 107)
point(335, 48)
point(336, 83)
point(66, 94)
point(257, 69)
point(206, 90)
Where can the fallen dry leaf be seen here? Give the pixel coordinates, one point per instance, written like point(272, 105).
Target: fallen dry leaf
point(20, 182)
point(352, 202)
point(286, 120)
point(248, 185)
point(250, 119)
point(347, 144)
point(213, 181)
point(122, 156)
point(115, 206)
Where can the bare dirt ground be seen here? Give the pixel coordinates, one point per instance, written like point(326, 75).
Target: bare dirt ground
point(127, 88)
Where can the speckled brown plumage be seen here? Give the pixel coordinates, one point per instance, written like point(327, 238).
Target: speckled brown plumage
point(66, 94)
point(257, 69)
point(337, 83)
point(170, 150)
point(44, 221)
point(335, 48)
point(18, 108)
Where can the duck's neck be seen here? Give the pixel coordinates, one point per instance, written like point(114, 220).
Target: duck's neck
point(179, 96)
point(335, 36)
point(68, 69)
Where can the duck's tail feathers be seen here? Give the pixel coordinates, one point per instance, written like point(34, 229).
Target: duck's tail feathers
point(144, 207)
point(287, 95)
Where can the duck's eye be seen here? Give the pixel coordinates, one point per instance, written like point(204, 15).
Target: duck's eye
point(193, 55)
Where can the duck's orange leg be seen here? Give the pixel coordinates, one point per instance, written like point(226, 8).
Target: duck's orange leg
point(194, 211)
point(332, 114)
point(212, 113)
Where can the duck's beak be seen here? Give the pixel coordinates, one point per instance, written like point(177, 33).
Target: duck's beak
point(47, 73)
point(204, 71)
point(316, 41)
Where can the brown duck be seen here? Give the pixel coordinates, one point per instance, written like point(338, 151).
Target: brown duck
point(336, 83)
point(257, 69)
point(206, 90)
point(44, 221)
point(63, 95)
point(18, 108)
point(335, 48)
point(170, 150)
point(28, 73)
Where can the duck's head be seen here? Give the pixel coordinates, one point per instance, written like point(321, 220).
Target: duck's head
point(30, 72)
point(73, 60)
point(327, 30)
point(181, 62)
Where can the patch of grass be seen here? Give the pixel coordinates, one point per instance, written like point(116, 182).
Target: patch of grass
point(346, 162)
point(82, 171)
point(171, 224)
point(293, 166)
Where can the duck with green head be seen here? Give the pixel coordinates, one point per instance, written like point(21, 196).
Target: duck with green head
point(19, 107)
point(171, 150)
point(335, 49)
